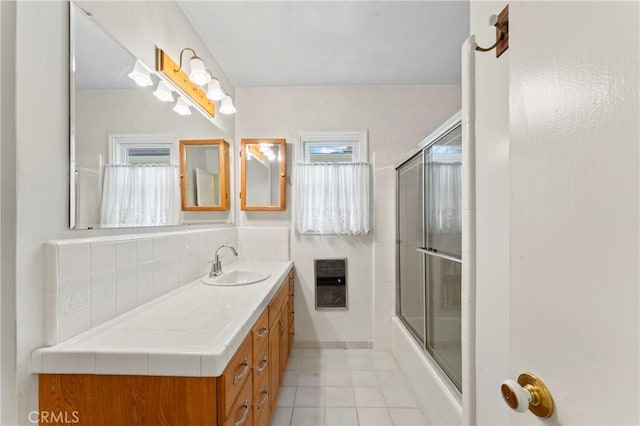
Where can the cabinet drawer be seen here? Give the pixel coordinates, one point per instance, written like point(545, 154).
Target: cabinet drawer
point(235, 377)
point(260, 332)
point(277, 303)
point(241, 413)
point(261, 413)
point(261, 365)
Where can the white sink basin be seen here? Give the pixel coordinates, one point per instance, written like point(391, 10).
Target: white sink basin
point(238, 277)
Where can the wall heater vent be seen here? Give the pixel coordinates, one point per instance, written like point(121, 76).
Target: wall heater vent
point(331, 283)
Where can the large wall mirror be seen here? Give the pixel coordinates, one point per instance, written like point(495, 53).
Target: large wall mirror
point(263, 174)
point(204, 175)
point(125, 142)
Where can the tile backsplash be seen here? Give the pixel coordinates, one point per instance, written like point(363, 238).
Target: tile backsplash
point(93, 280)
point(263, 243)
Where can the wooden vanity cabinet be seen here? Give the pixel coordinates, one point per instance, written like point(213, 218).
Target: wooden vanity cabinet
point(280, 337)
point(244, 395)
point(261, 361)
point(291, 311)
point(107, 400)
point(236, 379)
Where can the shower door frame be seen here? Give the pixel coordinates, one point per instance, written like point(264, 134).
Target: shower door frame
point(421, 149)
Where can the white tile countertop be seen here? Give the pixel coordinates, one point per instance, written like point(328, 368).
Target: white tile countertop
point(191, 331)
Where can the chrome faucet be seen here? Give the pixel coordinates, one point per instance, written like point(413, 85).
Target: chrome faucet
point(216, 266)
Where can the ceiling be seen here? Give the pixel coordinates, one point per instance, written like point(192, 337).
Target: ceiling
point(316, 43)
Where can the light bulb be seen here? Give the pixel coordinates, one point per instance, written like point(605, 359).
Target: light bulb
point(163, 92)
point(182, 107)
point(214, 91)
point(140, 75)
point(198, 74)
point(226, 106)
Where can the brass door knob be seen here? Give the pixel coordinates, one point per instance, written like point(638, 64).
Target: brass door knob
point(528, 393)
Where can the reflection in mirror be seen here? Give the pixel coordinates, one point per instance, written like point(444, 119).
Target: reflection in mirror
point(262, 180)
point(204, 174)
point(124, 137)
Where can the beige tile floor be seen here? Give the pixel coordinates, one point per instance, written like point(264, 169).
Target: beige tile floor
point(337, 387)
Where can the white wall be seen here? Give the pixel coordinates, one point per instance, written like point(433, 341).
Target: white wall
point(7, 213)
point(397, 119)
point(492, 217)
point(42, 146)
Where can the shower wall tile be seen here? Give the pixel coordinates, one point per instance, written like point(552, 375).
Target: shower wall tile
point(93, 280)
point(384, 255)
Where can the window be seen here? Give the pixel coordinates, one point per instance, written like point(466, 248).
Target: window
point(143, 149)
point(333, 147)
point(332, 184)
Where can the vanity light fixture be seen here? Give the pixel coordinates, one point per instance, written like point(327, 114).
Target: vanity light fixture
point(198, 73)
point(226, 106)
point(140, 75)
point(182, 106)
point(178, 78)
point(190, 85)
point(164, 92)
point(214, 90)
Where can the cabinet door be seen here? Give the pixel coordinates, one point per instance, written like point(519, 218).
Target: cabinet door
point(274, 360)
point(284, 339)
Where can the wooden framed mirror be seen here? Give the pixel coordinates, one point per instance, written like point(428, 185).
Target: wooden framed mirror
point(263, 165)
point(204, 175)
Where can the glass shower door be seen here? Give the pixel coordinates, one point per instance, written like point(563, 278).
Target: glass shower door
point(443, 253)
point(429, 247)
point(410, 231)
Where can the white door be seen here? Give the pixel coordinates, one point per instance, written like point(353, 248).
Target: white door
point(574, 207)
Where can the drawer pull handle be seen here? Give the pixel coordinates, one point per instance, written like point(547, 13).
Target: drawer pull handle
point(265, 392)
point(243, 373)
point(263, 332)
point(242, 418)
point(263, 364)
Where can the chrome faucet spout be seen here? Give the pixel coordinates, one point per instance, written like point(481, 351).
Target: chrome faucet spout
point(216, 266)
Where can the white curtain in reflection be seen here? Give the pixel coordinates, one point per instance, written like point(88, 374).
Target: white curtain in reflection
point(332, 198)
point(140, 195)
point(445, 197)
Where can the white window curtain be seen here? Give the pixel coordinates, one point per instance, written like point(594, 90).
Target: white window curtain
point(140, 195)
point(445, 197)
point(332, 198)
